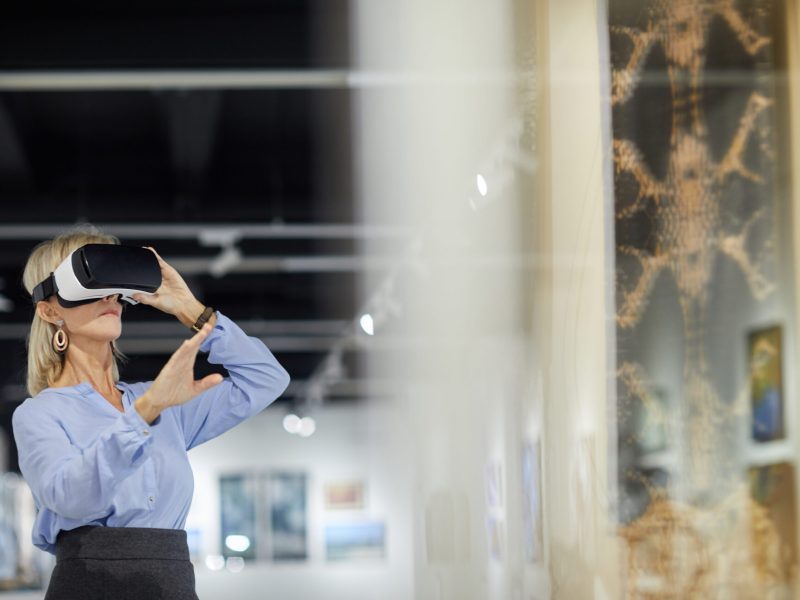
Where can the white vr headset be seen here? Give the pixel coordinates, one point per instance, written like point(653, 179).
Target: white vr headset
point(95, 271)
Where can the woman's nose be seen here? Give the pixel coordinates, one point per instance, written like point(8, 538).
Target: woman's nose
point(113, 297)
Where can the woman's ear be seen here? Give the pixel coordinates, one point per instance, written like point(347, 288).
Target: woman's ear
point(47, 312)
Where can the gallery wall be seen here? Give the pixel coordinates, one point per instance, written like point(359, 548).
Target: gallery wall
point(346, 447)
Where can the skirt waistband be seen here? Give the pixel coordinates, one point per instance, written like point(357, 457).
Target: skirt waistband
point(115, 543)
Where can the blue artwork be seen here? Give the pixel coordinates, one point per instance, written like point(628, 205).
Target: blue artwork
point(238, 511)
point(287, 515)
point(532, 502)
point(354, 541)
point(766, 384)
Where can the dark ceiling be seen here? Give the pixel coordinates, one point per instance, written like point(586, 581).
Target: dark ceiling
point(263, 169)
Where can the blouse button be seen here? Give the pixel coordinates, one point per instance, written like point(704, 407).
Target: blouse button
point(151, 499)
point(146, 431)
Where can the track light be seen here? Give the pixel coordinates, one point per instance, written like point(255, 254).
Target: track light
point(367, 324)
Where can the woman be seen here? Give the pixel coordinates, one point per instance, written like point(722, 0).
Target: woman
point(106, 460)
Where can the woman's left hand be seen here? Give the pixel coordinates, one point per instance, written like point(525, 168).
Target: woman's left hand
point(173, 296)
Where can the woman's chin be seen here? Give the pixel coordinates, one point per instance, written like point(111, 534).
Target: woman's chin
point(107, 334)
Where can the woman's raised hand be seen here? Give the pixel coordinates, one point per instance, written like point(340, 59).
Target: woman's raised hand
point(175, 383)
point(173, 296)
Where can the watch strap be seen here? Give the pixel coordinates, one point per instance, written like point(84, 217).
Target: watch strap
point(203, 319)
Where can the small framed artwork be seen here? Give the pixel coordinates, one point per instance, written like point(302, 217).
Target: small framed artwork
point(495, 533)
point(238, 515)
point(532, 501)
point(774, 520)
point(347, 495)
point(364, 540)
point(494, 485)
point(765, 358)
point(286, 512)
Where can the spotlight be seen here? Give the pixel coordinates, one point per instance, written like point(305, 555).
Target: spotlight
point(215, 562)
point(367, 324)
point(237, 543)
point(291, 423)
point(307, 427)
point(235, 564)
point(483, 187)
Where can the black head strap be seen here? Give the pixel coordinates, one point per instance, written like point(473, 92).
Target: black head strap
point(45, 289)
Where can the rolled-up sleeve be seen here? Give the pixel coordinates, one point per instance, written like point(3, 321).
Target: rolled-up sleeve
point(77, 483)
point(256, 379)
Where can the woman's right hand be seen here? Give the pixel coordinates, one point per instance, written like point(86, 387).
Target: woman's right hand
point(175, 383)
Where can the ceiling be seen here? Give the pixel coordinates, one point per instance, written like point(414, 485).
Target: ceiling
point(245, 187)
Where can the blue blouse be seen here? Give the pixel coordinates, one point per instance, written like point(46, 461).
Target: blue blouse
point(89, 464)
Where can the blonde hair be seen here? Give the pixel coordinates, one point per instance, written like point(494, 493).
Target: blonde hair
point(44, 363)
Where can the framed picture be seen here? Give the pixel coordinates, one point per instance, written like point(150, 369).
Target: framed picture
point(494, 485)
point(532, 501)
point(774, 521)
point(238, 515)
point(765, 357)
point(286, 510)
point(263, 515)
point(495, 536)
point(355, 541)
point(348, 495)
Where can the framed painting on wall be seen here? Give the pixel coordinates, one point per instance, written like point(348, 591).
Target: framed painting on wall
point(286, 514)
point(238, 515)
point(764, 354)
point(774, 522)
point(355, 541)
point(346, 495)
point(532, 501)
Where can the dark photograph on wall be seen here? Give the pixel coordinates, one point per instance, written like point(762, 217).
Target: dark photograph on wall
point(286, 506)
point(238, 516)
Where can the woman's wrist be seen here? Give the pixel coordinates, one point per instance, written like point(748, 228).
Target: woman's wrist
point(146, 409)
point(190, 311)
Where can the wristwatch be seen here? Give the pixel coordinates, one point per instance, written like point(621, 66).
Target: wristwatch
point(203, 319)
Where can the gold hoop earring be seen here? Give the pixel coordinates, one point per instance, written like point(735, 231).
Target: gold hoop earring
point(60, 339)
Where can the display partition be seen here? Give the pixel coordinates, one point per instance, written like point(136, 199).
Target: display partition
point(705, 307)
point(572, 335)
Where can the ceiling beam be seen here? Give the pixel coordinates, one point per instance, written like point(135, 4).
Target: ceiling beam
point(144, 231)
point(282, 264)
point(176, 79)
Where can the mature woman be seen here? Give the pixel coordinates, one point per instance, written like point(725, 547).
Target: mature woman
point(106, 460)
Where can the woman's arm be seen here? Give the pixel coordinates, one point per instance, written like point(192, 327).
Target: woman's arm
point(75, 483)
point(80, 483)
point(256, 380)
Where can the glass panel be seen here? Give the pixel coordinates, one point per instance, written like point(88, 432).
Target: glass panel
point(704, 297)
point(238, 515)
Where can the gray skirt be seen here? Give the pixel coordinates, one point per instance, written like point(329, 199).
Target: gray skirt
point(105, 563)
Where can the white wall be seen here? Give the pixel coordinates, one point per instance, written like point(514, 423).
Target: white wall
point(349, 444)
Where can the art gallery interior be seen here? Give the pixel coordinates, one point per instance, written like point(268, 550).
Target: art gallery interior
point(530, 265)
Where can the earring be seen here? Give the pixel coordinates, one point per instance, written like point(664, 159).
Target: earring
point(60, 339)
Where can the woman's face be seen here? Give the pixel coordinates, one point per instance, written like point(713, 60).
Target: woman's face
point(98, 321)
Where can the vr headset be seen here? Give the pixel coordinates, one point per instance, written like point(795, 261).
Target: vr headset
point(95, 271)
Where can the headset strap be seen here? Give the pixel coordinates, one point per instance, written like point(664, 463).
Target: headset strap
point(45, 289)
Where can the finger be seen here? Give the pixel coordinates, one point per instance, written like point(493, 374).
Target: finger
point(187, 351)
point(153, 250)
point(148, 299)
point(197, 339)
point(207, 382)
point(160, 260)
